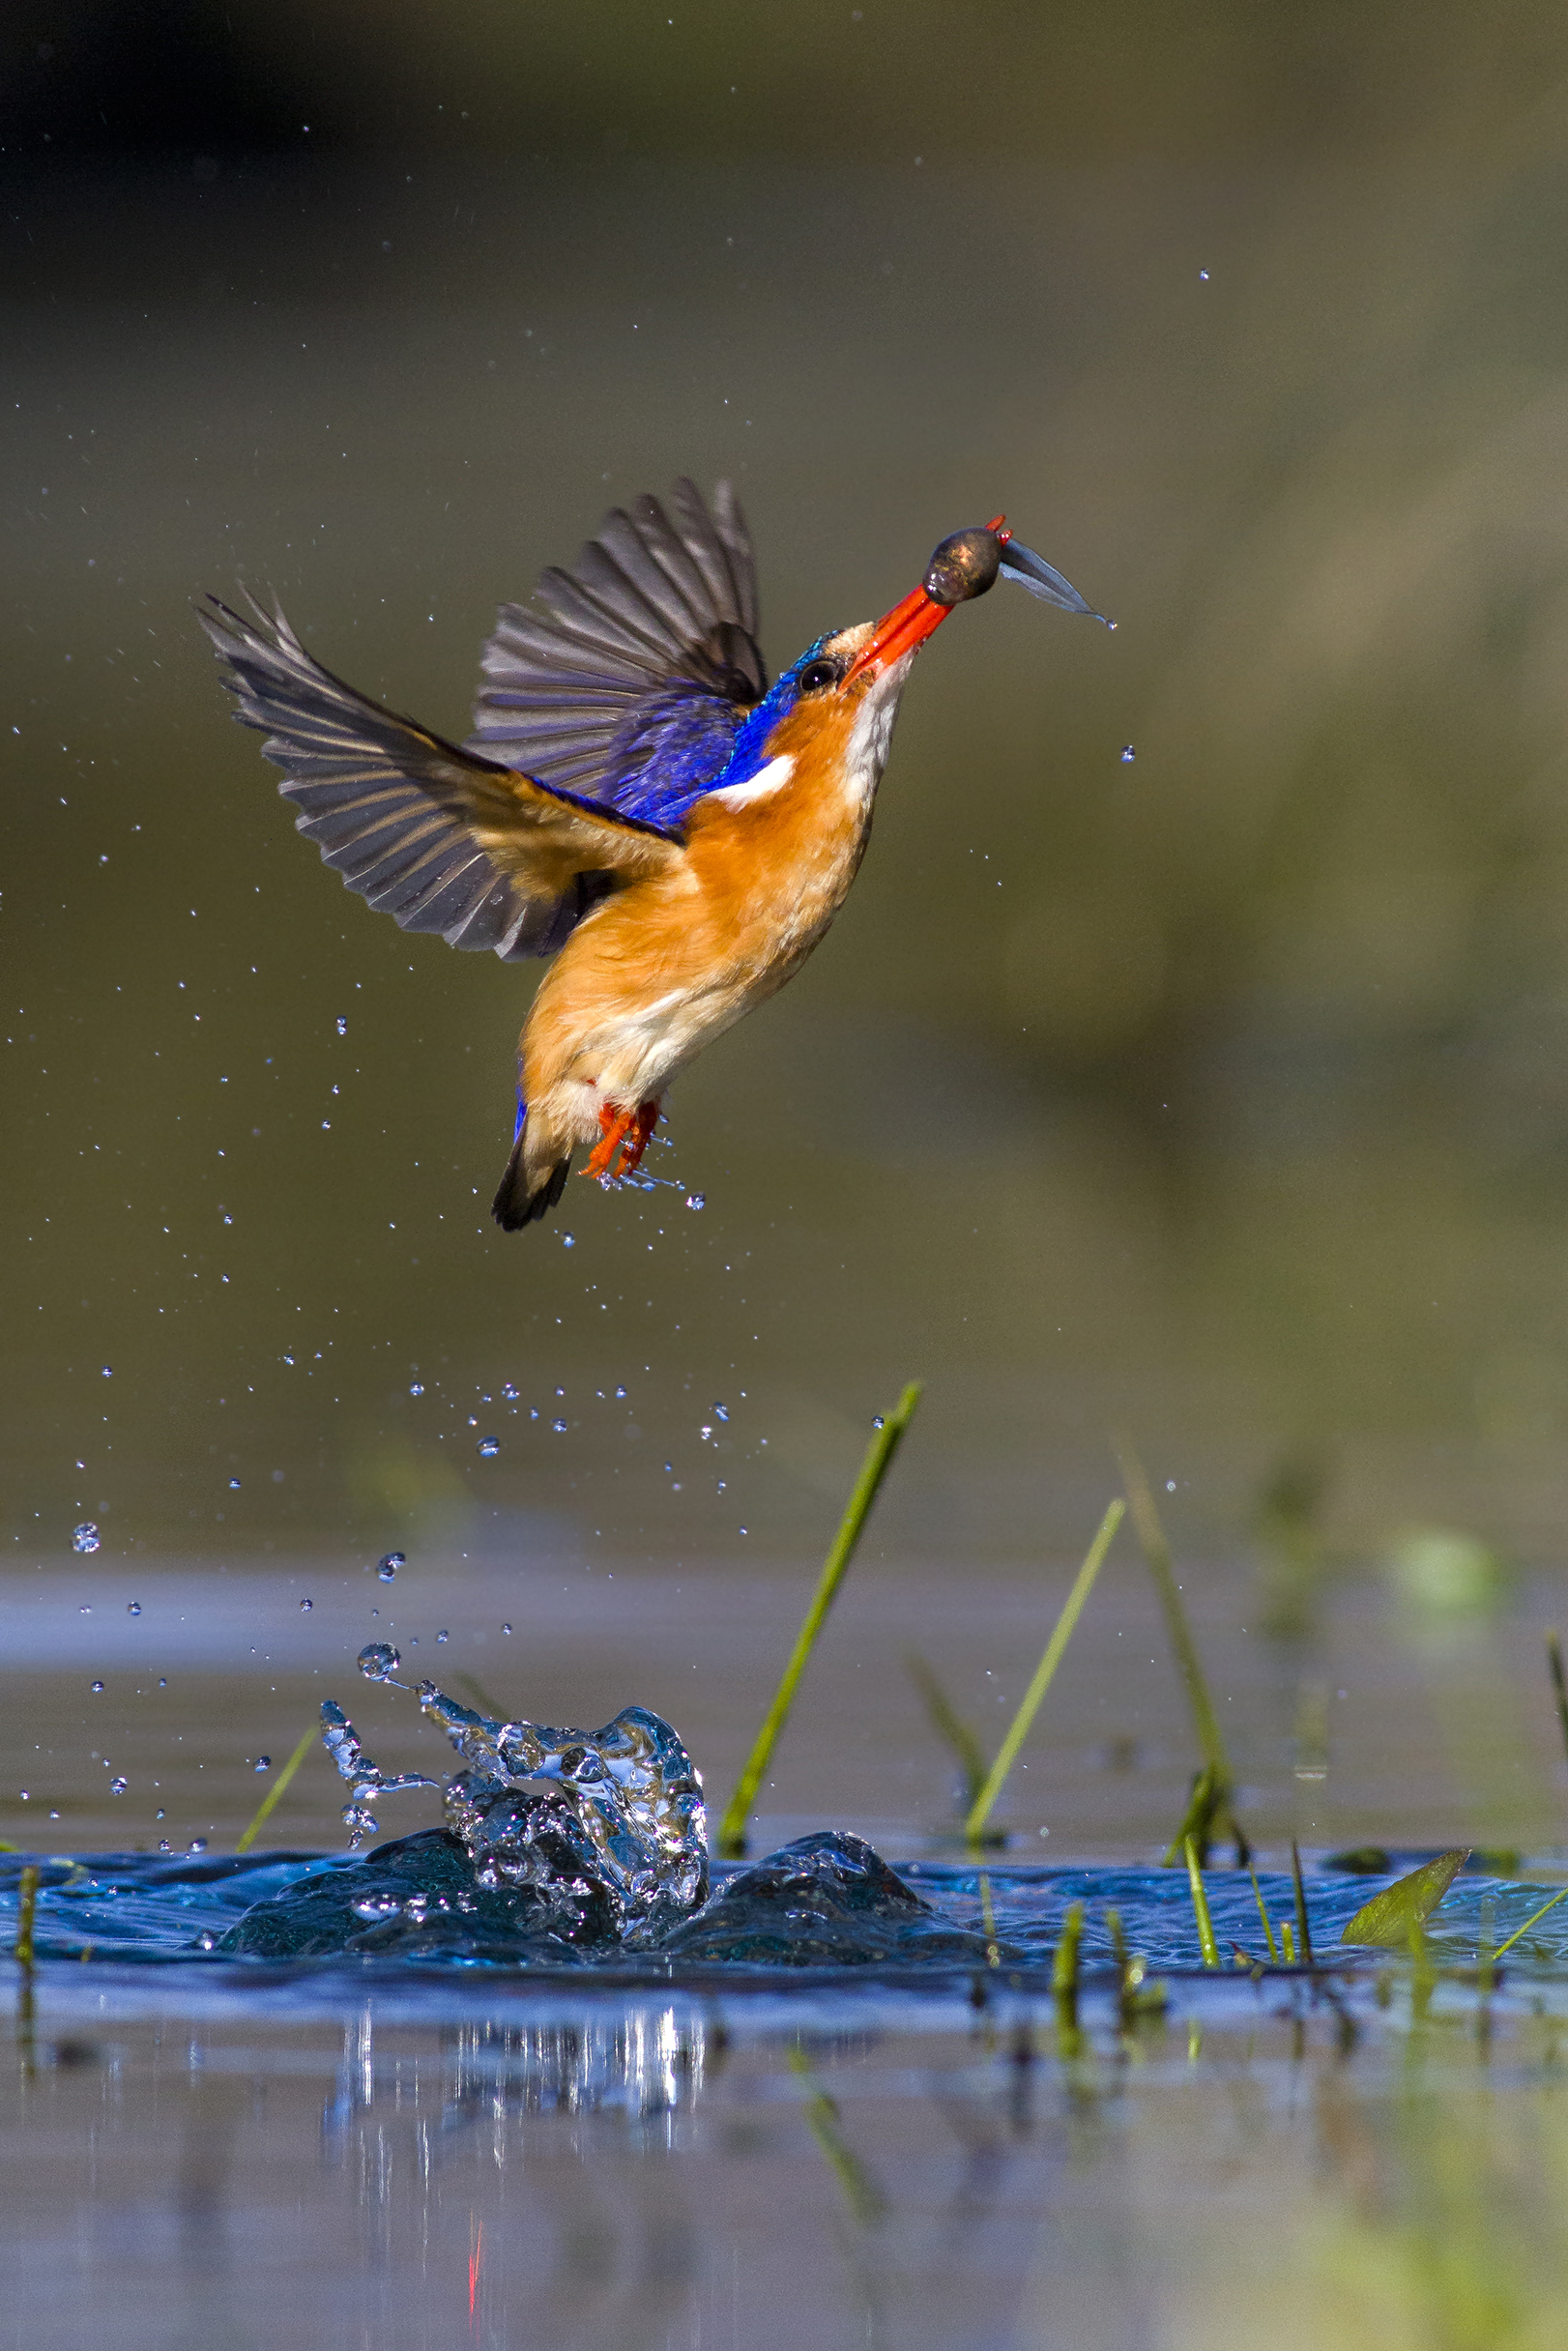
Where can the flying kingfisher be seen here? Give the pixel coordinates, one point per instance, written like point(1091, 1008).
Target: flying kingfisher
point(635, 800)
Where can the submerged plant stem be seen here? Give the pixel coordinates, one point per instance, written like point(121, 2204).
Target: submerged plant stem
point(1072, 1608)
point(732, 1829)
point(275, 1793)
point(865, 2198)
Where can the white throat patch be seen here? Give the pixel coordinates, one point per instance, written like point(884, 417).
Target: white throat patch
point(866, 754)
point(771, 778)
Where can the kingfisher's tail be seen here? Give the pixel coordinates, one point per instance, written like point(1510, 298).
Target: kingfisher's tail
point(523, 1196)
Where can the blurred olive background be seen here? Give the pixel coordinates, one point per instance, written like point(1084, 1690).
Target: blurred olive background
point(1221, 1092)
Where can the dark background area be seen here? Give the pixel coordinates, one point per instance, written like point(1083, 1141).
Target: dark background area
point(1219, 1092)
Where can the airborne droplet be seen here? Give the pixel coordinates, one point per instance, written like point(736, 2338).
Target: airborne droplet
point(377, 1660)
point(390, 1565)
point(85, 1537)
point(488, 1448)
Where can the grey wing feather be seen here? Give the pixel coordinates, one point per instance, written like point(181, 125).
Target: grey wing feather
point(660, 595)
point(391, 806)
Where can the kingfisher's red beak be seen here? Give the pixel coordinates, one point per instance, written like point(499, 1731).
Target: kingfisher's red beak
point(899, 632)
point(909, 623)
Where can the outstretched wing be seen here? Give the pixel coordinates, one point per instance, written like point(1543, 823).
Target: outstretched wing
point(438, 837)
point(632, 684)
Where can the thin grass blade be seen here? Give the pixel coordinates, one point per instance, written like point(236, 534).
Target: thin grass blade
point(1303, 1929)
point(1534, 1920)
point(948, 1725)
point(1156, 1552)
point(1072, 1608)
point(1199, 1909)
point(280, 1784)
point(878, 1460)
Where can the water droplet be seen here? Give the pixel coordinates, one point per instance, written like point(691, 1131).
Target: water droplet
point(568, 1241)
point(85, 1537)
point(306, 1605)
point(721, 1483)
point(158, 1815)
point(163, 1844)
point(85, 1612)
point(109, 1371)
point(532, 1411)
point(620, 1391)
point(378, 1659)
point(505, 1628)
point(443, 1636)
point(560, 1427)
point(705, 1432)
point(390, 1565)
point(135, 1609)
point(696, 1200)
point(288, 1359)
point(1128, 754)
point(98, 1688)
point(118, 1787)
point(234, 1485)
point(417, 1389)
point(669, 1466)
point(721, 1412)
point(1170, 1485)
point(1111, 627)
point(342, 1023)
point(488, 1448)
point(198, 1845)
point(1204, 275)
point(510, 1392)
point(264, 1762)
point(879, 1420)
point(561, 1391)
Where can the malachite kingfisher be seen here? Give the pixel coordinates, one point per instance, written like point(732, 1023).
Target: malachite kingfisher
point(635, 800)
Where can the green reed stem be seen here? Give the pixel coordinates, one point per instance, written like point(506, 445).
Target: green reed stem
point(1553, 1657)
point(1067, 1966)
point(1303, 1930)
point(1533, 1921)
point(1200, 1907)
point(27, 1913)
point(1161, 1566)
point(878, 1460)
point(949, 1724)
point(275, 1791)
point(1072, 1609)
point(1268, 1931)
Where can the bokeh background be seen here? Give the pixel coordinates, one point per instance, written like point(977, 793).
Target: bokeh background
point(1220, 1093)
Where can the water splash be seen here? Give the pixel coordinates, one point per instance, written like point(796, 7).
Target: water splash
point(613, 1849)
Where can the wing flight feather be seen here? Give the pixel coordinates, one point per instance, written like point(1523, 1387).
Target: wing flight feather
point(442, 838)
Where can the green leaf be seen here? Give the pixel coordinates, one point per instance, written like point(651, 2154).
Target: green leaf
point(1392, 1916)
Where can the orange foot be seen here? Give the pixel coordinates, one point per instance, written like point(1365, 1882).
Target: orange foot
point(626, 1131)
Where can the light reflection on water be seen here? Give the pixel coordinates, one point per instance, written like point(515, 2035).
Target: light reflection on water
point(570, 2172)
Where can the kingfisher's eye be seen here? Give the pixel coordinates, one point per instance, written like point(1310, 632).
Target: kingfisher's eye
point(817, 675)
